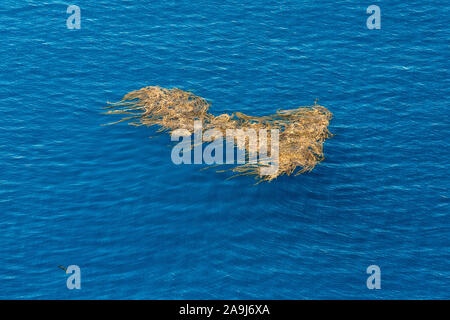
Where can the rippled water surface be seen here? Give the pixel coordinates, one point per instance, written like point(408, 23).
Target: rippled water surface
point(108, 198)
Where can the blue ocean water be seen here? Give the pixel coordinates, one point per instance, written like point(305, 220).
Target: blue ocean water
point(108, 198)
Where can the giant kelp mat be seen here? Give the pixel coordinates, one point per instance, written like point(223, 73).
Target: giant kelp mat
point(302, 131)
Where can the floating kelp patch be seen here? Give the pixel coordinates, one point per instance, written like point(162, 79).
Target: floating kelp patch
point(300, 132)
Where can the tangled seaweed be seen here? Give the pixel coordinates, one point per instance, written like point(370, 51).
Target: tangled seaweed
point(302, 131)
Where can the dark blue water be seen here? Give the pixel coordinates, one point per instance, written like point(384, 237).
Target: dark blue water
point(109, 199)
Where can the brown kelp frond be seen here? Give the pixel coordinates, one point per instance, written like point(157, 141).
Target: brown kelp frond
point(171, 109)
point(302, 131)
